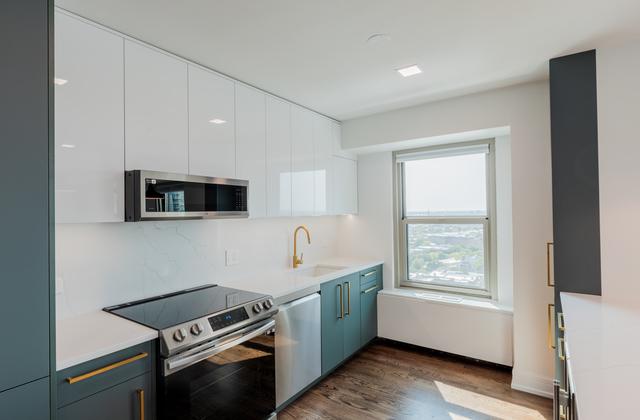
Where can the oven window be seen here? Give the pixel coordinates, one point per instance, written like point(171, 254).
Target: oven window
point(238, 383)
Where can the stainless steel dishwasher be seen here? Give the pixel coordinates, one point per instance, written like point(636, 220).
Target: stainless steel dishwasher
point(298, 357)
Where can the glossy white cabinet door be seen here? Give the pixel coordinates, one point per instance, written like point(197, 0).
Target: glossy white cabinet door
point(251, 146)
point(303, 178)
point(278, 126)
point(345, 185)
point(212, 146)
point(323, 166)
point(336, 135)
point(89, 123)
point(155, 110)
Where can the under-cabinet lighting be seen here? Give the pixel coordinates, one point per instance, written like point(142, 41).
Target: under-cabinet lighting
point(410, 71)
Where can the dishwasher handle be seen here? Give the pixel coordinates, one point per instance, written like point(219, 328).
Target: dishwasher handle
point(297, 302)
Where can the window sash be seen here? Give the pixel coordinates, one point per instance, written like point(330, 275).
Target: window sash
point(404, 254)
point(404, 221)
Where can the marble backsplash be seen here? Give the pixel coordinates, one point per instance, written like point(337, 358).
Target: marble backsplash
point(98, 265)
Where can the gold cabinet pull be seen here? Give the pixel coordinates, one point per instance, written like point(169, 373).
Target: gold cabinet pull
point(341, 303)
point(140, 393)
point(370, 273)
point(74, 379)
point(371, 289)
point(348, 284)
point(561, 321)
point(561, 353)
point(550, 329)
point(562, 412)
point(549, 273)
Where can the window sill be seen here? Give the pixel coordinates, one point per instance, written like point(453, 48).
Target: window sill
point(449, 299)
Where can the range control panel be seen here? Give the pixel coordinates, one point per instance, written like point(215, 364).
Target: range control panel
point(221, 321)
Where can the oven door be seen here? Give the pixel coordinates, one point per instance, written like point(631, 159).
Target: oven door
point(230, 378)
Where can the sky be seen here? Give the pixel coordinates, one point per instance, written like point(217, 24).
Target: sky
point(446, 184)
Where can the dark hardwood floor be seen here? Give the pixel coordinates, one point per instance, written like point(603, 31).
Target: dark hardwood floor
point(388, 381)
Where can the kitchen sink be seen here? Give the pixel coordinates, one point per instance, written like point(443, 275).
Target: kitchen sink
point(318, 270)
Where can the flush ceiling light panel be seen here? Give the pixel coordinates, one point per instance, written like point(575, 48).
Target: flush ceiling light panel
point(217, 121)
point(409, 71)
point(59, 81)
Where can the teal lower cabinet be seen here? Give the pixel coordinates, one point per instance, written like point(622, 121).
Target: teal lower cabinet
point(26, 402)
point(347, 312)
point(370, 284)
point(120, 386)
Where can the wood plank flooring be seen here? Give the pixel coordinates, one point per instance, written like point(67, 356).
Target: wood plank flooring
point(388, 381)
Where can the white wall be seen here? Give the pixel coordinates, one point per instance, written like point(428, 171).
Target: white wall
point(522, 111)
point(618, 70)
point(103, 264)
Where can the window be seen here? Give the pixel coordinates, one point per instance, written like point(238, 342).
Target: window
point(446, 226)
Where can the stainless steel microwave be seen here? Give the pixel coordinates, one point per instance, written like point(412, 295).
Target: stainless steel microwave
point(151, 195)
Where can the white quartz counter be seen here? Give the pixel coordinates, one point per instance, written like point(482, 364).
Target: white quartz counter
point(96, 334)
point(603, 348)
point(89, 336)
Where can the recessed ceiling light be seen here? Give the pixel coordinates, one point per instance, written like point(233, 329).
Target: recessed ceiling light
point(217, 121)
point(410, 71)
point(68, 146)
point(60, 82)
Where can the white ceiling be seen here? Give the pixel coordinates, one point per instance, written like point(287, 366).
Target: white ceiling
point(315, 52)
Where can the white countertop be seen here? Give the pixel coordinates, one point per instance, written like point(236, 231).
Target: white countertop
point(603, 348)
point(293, 283)
point(96, 334)
point(89, 336)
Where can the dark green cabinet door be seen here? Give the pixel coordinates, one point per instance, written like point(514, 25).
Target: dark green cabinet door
point(26, 402)
point(332, 324)
point(122, 402)
point(351, 302)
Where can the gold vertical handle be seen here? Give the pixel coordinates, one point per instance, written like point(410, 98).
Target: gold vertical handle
point(561, 354)
point(140, 393)
point(562, 412)
point(561, 321)
point(550, 326)
point(341, 303)
point(549, 273)
point(348, 284)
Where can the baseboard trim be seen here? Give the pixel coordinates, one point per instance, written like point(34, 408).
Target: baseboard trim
point(532, 384)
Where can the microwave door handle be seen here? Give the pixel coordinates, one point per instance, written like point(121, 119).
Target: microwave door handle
point(172, 366)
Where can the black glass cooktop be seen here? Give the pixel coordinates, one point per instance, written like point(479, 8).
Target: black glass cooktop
point(166, 311)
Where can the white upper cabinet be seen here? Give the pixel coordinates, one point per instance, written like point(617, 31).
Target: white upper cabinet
point(336, 139)
point(212, 143)
point(322, 166)
point(278, 148)
point(345, 185)
point(156, 119)
point(303, 179)
point(251, 146)
point(89, 123)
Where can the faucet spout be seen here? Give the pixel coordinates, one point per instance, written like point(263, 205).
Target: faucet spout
point(298, 260)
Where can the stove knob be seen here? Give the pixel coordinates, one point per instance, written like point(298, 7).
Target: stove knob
point(196, 329)
point(268, 304)
point(257, 308)
point(180, 335)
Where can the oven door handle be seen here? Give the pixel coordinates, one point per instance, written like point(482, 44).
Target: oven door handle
point(178, 363)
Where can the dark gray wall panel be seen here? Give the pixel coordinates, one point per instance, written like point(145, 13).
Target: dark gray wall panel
point(25, 194)
point(574, 150)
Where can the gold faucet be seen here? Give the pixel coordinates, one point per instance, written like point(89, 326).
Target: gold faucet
point(297, 261)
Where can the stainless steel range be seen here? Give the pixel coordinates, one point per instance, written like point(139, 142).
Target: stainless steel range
point(216, 352)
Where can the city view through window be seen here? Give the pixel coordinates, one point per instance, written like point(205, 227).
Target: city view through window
point(442, 249)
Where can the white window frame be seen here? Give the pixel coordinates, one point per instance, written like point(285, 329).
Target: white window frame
point(489, 222)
